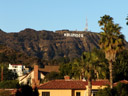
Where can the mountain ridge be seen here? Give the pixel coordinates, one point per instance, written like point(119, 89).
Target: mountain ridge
point(49, 45)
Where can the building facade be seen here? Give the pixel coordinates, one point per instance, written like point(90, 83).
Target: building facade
point(70, 87)
point(18, 68)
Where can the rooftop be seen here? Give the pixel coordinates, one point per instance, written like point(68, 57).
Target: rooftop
point(16, 64)
point(49, 69)
point(122, 81)
point(71, 84)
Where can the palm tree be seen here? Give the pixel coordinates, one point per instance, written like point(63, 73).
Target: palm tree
point(127, 20)
point(91, 67)
point(2, 68)
point(101, 64)
point(78, 69)
point(112, 41)
point(89, 70)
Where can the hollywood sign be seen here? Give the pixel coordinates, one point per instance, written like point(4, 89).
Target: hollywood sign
point(73, 35)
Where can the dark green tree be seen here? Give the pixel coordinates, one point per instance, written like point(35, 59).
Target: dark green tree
point(52, 76)
point(121, 66)
point(78, 69)
point(8, 74)
point(3, 58)
point(88, 60)
point(92, 68)
point(9, 84)
point(112, 41)
point(78, 66)
point(66, 69)
point(127, 20)
point(26, 90)
point(105, 92)
point(119, 90)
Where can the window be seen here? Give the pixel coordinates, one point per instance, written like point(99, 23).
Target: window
point(77, 93)
point(14, 70)
point(45, 93)
point(94, 92)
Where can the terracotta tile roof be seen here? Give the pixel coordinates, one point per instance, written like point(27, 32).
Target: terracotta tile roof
point(70, 84)
point(16, 64)
point(100, 82)
point(62, 84)
point(122, 81)
point(49, 69)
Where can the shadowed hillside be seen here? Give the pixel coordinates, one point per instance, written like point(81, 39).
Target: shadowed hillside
point(49, 45)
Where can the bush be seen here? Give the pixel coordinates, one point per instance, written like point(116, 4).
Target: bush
point(52, 76)
point(5, 93)
point(119, 90)
point(9, 84)
point(26, 90)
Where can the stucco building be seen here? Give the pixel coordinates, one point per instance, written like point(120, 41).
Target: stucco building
point(32, 78)
point(36, 75)
point(19, 69)
point(70, 87)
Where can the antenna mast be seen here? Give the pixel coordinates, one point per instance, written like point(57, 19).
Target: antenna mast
point(86, 26)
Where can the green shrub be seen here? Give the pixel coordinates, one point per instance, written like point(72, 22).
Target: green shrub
point(26, 90)
point(5, 93)
point(9, 84)
point(120, 90)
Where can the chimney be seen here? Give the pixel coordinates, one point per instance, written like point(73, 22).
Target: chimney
point(36, 76)
point(66, 78)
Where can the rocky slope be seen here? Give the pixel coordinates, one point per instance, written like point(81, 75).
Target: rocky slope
point(49, 45)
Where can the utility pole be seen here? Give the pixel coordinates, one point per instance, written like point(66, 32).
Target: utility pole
point(2, 72)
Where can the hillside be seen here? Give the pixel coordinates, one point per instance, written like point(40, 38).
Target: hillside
point(48, 45)
point(8, 55)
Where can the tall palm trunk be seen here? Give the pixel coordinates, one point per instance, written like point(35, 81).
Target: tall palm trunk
point(1, 73)
point(111, 74)
point(89, 86)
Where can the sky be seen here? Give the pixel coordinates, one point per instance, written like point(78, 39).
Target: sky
point(52, 15)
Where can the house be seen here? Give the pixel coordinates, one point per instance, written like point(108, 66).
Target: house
point(18, 68)
point(33, 78)
point(36, 75)
point(68, 87)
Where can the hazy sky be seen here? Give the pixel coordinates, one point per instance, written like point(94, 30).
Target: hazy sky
point(16, 15)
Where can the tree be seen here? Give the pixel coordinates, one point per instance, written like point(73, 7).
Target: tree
point(127, 20)
point(121, 66)
point(119, 90)
point(66, 69)
point(91, 67)
point(78, 69)
point(52, 76)
point(112, 41)
point(3, 58)
point(26, 90)
point(105, 92)
point(9, 84)
point(7, 74)
point(101, 64)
